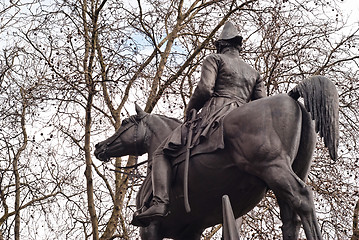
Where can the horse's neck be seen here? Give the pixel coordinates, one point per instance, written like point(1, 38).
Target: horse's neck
point(161, 127)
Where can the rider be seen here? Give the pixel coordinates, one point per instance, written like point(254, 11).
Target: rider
point(226, 83)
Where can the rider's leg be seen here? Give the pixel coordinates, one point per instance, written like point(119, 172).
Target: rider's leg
point(161, 177)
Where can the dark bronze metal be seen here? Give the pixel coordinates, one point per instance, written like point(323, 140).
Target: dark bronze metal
point(244, 144)
point(229, 228)
point(269, 145)
point(190, 124)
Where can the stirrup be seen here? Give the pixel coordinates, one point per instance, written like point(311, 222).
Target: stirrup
point(156, 211)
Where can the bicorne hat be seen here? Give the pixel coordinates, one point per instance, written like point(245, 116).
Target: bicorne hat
point(229, 32)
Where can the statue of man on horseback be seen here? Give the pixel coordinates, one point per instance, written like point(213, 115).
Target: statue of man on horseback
point(226, 83)
point(269, 144)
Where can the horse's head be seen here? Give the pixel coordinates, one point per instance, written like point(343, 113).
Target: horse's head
point(129, 139)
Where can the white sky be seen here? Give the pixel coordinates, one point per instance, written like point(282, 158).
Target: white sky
point(352, 8)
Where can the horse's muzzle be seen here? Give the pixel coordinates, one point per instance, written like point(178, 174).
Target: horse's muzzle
point(100, 153)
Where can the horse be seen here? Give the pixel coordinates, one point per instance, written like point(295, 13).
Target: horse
point(269, 144)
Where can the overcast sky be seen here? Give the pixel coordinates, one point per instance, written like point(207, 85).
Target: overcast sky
point(352, 8)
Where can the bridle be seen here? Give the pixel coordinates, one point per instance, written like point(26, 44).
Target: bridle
point(132, 121)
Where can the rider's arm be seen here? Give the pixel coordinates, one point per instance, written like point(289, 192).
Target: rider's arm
point(205, 87)
point(259, 89)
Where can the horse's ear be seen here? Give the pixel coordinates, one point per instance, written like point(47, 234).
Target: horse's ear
point(139, 111)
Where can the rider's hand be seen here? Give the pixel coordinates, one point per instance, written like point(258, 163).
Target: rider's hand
point(187, 115)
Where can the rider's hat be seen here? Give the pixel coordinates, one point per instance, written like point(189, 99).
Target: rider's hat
point(230, 33)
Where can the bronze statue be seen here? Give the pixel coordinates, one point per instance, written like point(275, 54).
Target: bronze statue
point(229, 228)
point(264, 144)
point(226, 83)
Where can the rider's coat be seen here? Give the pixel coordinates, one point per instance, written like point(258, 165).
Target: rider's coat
point(226, 75)
point(226, 83)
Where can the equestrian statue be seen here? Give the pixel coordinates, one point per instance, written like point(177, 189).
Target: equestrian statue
point(235, 141)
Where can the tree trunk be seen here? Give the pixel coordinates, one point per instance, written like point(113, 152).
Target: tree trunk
point(355, 222)
point(15, 167)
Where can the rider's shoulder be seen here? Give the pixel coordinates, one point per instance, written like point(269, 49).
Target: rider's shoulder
point(218, 58)
point(213, 57)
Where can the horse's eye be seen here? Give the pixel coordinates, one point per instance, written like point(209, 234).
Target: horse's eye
point(124, 122)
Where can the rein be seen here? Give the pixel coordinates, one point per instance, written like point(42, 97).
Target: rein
point(131, 174)
point(131, 166)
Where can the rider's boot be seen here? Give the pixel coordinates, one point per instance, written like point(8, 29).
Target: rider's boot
point(161, 177)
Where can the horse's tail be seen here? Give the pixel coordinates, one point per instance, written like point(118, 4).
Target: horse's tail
point(321, 100)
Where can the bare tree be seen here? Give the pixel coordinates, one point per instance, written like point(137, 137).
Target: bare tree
point(19, 191)
point(78, 67)
point(85, 68)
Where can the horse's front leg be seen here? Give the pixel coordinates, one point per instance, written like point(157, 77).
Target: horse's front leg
point(190, 233)
point(152, 232)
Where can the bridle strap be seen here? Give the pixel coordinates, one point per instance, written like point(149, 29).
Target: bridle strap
point(135, 139)
point(118, 134)
point(133, 121)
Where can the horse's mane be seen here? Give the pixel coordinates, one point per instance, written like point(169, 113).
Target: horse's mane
point(160, 125)
point(166, 118)
point(170, 121)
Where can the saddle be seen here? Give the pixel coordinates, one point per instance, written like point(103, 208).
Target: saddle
point(206, 139)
